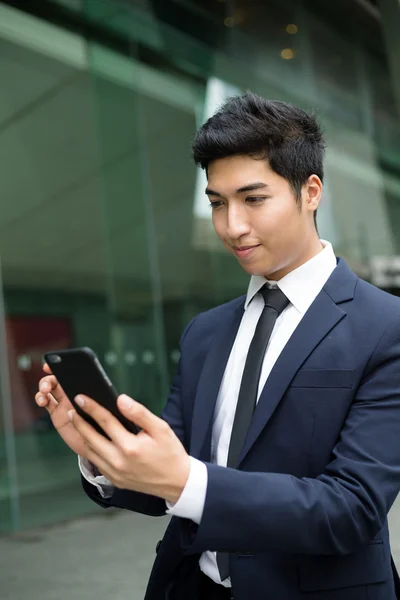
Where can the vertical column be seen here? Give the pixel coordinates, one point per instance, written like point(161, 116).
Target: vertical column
point(6, 423)
point(390, 10)
point(136, 359)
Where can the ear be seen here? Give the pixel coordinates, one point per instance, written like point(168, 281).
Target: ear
point(312, 193)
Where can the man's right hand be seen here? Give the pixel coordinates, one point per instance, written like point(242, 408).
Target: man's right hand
point(52, 397)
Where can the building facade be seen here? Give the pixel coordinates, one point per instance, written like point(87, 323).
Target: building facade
point(105, 232)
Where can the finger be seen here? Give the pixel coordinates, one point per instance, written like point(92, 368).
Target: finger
point(47, 369)
point(101, 445)
point(41, 399)
point(98, 462)
point(47, 384)
point(141, 416)
point(50, 385)
point(46, 401)
point(110, 424)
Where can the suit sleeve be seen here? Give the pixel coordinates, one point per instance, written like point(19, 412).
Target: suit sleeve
point(337, 512)
point(136, 501)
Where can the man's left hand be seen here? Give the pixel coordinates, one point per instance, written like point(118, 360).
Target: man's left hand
point(153, 462)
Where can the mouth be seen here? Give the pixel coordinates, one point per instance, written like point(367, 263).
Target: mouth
point(244, 251)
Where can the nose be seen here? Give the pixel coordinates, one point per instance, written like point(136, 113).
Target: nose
point(237, 222)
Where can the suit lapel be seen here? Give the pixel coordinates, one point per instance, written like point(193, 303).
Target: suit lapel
point(210, 382)
point(318, 321)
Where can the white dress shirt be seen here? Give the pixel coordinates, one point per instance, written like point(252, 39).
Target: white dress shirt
point(301, 287)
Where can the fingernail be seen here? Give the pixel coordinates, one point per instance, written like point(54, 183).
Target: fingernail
point(70, 414)
point(44, 387)
point(80, 401)
point(40, 400)
point(126, 402)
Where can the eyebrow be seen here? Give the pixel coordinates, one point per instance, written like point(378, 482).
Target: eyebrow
point(257, 185)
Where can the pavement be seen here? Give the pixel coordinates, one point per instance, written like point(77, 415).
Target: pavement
point(106, 555)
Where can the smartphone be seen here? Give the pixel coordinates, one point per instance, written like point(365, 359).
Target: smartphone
point(79, 371)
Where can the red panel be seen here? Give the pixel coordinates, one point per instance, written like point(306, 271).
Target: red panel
point(28, 338)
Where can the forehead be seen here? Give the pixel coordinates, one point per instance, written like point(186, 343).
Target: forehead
point(226, 175)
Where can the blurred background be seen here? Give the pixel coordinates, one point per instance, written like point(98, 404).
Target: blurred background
point(105, 231)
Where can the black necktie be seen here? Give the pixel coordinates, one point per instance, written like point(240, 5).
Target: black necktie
point(275, 302)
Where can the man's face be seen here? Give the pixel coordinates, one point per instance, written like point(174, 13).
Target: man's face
point(256, 216)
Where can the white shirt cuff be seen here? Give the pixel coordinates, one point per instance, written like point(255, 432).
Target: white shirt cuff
point(191, 503)
point(104, 486)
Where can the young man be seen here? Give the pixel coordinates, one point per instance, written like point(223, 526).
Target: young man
point(278, 452)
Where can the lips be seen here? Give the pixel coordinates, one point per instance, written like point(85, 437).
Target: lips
point(244, 251)
point(240, 248)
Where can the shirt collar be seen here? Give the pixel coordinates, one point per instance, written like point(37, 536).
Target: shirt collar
point(302, 285)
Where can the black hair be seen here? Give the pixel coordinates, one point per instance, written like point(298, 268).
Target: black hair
point(286, 136)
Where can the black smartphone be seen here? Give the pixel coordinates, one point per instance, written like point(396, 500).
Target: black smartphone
point(79, 371)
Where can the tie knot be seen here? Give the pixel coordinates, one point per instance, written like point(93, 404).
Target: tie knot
point(275, 298)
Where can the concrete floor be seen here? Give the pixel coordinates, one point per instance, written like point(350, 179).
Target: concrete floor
point(107, 555)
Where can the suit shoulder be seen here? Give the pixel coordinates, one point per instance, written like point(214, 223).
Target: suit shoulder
point(381, 308)
point(210, 318)
point(222, 309)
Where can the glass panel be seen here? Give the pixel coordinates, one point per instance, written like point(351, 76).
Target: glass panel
point(52, 248)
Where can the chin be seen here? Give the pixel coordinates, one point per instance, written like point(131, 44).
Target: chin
point(253, 269)
point(266, 271)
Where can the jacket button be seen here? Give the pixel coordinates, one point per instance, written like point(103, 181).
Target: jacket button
point(158, 546)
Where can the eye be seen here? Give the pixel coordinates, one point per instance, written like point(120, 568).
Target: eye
point(216, 204)
point(255, 199)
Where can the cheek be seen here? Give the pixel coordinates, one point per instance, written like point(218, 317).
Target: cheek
point(278, 223)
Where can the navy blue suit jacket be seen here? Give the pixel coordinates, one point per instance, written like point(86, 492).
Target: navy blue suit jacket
point(305, 514)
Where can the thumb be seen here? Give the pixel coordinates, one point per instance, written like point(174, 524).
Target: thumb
point(140, 415)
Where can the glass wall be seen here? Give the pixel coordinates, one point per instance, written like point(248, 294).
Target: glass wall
point(105, 232)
